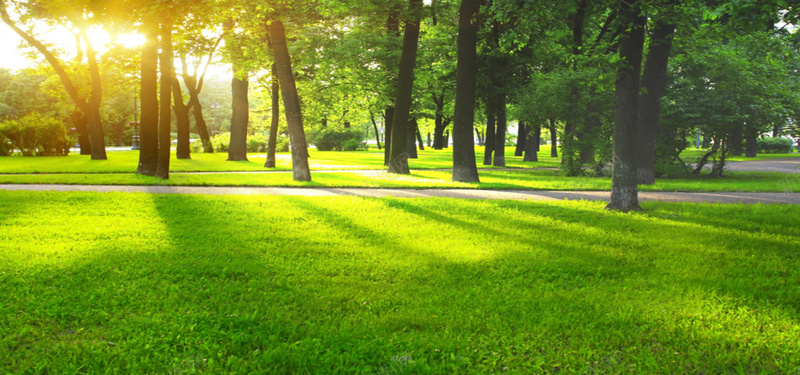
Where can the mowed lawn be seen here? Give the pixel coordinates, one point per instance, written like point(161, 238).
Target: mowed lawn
point(136, 283)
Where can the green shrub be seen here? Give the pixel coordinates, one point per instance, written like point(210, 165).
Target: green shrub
point(221, 141)
point(5, 146)
point(775, 146)
point(283, 144)
point(257, 143)
point(36, 135)
point(328, 139)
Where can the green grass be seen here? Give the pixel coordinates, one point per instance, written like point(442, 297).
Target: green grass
point(428, 179)
point(127, 161)
point(691, 154)
point(136, 283)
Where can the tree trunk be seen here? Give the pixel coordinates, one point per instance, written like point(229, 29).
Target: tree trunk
point(553, 138)
point(736, 139)
point(477, 132)
point(165, 99)
point(237, 150)
point(291, 103)
point(79, 120)
point(653, 81)
point(419, 136)
point(519, 150)
point(375, 127)
point(148, 129)
point(388, 117)
point(447, 139)
point(499, 159)
point(182, 118)
point(200, 125)
point(398, 157)
point(532, 143)
point(624, 193)
point(439, 125)
point(751, 146)
point(465, 168)
point(275, 121)
point(491, 120)
point(412, 139)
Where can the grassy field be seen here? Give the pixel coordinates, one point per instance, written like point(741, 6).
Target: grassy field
point(135, 283)
point(356, 169)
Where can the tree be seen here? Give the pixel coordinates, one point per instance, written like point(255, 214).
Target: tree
point(73, 17)
point(165, 118)
point(398, 157)
point(624, 193)
point(148, 93)
point(464, 165)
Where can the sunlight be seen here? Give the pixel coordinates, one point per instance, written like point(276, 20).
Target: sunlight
point(130, 40)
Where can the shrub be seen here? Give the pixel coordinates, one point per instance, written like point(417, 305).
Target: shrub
point(328, 139)
point(283, 144)
point(5, 146)
point(257, 143)
point(775, 145)
point(221, 141)
point(36, 135)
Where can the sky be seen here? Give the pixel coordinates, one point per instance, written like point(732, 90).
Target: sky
point(11, 56)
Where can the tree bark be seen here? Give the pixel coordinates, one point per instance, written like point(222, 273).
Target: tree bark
point(465, 168)
point(79, 120)
point(388, 118)
point(553, 138)
point(499, 159)
point(736, 139)
point(654, 79)
point(291, 103)
point(419, 136)
point(412, 139)
point(375, 127)
point(522, 136)
point(275, 121)
point(532, 143)
point(438, 122)
point(751, 146)
point(491, 120)
point(398, 156)
point(624, 193)
point(148, 129)
point(240, 117)
point(165, 118)
point(182, 120)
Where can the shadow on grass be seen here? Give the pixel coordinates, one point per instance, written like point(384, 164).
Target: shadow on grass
point(292, 285)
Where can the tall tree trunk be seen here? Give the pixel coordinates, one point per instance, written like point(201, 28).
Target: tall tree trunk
point(419, 136)
point(148, 130)
point(182, 118)
point(79, 121)
point(200, 125)
point(568, 158)
point(240, 117)
point(499, 159)
point(751, 146)
point(388, 118)
point(654, 79)
point(438, 122)
point(465, 168)
point(291, 103)
point(398, 157)
point(519, 150)
point(165, 118)
point(553, 138)
point(275, 121)
point(477, 133)
point(624, 193)
point(412, 139)
point(736, 137)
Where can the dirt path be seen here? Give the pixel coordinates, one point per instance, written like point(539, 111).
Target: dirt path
point(533, 195)
point(788, 165)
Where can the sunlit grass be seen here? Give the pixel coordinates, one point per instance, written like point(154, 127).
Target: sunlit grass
point(136, 283)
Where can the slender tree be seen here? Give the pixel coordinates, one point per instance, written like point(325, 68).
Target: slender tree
point(275, 120)
point(398, 159)
point(291, 103)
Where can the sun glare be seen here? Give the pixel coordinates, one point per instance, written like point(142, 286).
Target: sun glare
point(130, 40)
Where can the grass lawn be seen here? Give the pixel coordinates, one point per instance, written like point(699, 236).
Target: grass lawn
point(136, 283)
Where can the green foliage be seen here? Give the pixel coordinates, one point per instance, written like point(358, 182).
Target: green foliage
point(259, 284)
point(6, 147)
point(775, 145)
point(330, 139)
point(37, 135)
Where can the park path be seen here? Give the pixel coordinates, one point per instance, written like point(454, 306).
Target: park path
point(532, 195)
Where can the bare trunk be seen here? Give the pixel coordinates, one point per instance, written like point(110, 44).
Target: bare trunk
point(465, 168)
point(165, 118)
point(275, 121)
point(148, 130)
point(182, 118)
point(499, 159)
point(240, 117)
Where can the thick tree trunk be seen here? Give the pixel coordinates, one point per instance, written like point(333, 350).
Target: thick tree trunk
point(240, 117)
point(653, 81)
point(182, 118)
point(519, 150)
point(79, 121)
point(398, 157)
point(148, 130)
point(388, 118)
point(275, 121)
point(200, 125)
point(751, 146)
point(532, 143)
point(291, 103)
point(165, 118)
point(736, 139)
point(624, 193)
point(499, 159)
point(465, 168)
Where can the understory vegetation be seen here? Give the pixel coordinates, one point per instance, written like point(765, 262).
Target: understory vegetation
point(136, 283)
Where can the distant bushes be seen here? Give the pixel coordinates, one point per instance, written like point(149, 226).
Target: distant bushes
point(35, 135)
point(775, 145)
point(329, 139)
point(255, 143)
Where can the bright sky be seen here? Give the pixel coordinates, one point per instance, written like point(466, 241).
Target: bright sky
point(12, 57)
